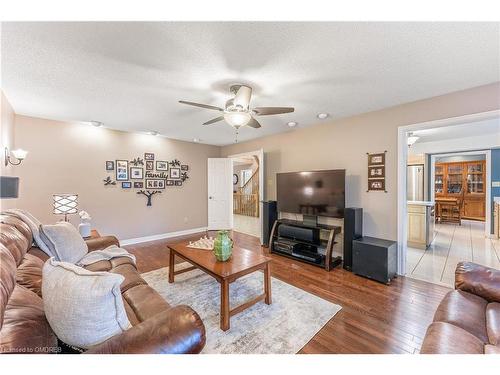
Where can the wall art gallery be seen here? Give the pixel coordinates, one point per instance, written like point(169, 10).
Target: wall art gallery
point(148, 175)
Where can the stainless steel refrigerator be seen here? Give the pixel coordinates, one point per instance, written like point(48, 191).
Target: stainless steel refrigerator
point(415, 183)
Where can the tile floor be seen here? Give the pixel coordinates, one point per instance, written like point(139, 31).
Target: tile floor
point(247, 225)
point(452, 244)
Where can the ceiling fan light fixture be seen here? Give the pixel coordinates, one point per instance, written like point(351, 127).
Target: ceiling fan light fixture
point(322, 116)
point(292, 124)
point(153, 132)
point(97, 124)
point(237, 119)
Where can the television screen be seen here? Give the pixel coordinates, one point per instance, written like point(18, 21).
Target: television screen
point(319, 193)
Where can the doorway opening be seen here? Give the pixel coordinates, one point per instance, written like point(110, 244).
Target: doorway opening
point(445, 196)
point(247, 189)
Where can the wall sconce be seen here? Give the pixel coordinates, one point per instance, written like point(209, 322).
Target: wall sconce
point(18, 154)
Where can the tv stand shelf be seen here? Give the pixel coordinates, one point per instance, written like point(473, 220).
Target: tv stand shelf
point(328, 262)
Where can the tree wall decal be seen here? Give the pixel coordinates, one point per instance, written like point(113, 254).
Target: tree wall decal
point(149, 194)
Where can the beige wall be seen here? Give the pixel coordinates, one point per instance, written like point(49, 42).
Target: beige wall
point(344, 143)
point(70, 158)
point(6, 132)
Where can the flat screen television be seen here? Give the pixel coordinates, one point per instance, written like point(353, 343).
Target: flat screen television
point(316, 193)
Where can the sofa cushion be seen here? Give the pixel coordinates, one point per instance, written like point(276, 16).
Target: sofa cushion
point(145, 302)
point(464, 310)
point(83, 308)
point(29, 273)
point(493, 322)
point(25, 328)
point(445, 338)
point(64, 241)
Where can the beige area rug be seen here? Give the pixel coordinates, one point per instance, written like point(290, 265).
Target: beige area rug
point(283, 327)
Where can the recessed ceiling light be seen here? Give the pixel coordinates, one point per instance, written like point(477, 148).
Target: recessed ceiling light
point(292, 124)
point(196, 140)
point(97, 124)
point(153, 132)
point(322, 116)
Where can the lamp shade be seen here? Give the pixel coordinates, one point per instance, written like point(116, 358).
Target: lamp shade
point(9, 187)
point(65, 204)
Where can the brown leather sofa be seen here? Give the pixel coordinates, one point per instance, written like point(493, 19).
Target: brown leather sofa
point(468, 318)
point(156, 326)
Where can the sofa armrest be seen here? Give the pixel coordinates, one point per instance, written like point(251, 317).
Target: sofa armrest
point(101, 243)
point(177, 330)
point(479, 280)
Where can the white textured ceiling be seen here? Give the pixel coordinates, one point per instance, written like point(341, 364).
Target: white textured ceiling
point(131, 75)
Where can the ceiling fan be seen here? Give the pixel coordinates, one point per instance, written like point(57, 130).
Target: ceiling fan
point(237, 111)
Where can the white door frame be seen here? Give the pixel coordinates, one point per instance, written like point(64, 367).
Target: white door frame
point(260, 155)
point(487, 223)
point(403, 161)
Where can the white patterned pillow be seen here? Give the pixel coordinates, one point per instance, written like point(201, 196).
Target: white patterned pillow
point(83, 308)
point(64, 241)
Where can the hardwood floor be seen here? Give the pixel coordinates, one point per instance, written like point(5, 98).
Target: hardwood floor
point(375, 318)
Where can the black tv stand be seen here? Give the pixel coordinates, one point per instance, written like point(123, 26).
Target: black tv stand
point(325, 261)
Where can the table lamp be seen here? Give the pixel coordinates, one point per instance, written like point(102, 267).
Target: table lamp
point(65, 204)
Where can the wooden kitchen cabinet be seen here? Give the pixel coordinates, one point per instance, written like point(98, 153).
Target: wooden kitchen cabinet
point(463, 179)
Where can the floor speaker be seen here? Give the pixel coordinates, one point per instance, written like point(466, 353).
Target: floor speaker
point(353, 229)
point(269, 216)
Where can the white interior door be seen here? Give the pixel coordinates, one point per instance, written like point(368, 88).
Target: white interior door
point(220, 193)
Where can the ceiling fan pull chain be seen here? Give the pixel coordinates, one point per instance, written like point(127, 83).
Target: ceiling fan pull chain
point(236, 138)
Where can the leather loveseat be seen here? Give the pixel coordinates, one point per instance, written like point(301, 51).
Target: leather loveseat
point(468, 318)
point(156, 326)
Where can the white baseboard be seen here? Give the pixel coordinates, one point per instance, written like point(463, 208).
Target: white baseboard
point(162, 236)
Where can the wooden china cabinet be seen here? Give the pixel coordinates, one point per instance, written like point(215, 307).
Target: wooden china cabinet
point(467, 179)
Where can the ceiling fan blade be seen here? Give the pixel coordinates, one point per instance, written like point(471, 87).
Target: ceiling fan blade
point(202, 105)
point(217, 119)
point(264, 111)
point(253, 123)
point(243, 96)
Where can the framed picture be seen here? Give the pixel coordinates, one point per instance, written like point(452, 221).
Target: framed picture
point(376, 159)
point(126, 185)
point(155, 183)
point(184, 167)
point(161, 165)
point(138, 185)
point(136, 173)
point(149, 156)
point(376, 184)
point(376, 172)
point(175, 173)
point(121, 170)
point(110, 165)
point(150, 165)
point(178, 183)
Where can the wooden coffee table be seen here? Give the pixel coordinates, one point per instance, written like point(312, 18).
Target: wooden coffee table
point(242, 262)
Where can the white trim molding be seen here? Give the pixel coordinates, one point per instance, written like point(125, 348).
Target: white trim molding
point(161, 236)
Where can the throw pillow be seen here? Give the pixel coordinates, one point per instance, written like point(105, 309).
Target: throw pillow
point(84, 308)
point(64, 241)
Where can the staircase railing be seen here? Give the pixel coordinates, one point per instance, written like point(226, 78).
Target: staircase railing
point(246, 199)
